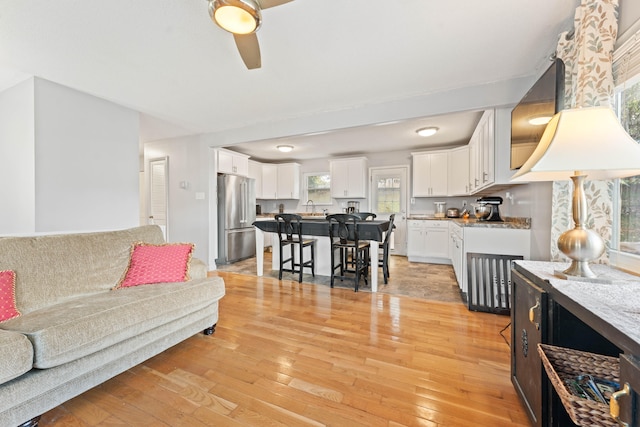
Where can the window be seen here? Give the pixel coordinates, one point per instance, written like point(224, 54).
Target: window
point(318, 187)
point(388, 195)
point(626, 220)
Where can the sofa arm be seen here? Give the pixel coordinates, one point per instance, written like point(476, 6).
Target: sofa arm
point(198, 269)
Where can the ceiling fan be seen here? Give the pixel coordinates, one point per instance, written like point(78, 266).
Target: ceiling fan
point(242, 18)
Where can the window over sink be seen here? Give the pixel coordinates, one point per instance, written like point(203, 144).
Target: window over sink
point(317, 186)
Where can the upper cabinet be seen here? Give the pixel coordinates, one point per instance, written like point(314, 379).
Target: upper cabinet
point(280, 181)
point(255, 172)
point(349, 178)
point(232, 162)
point(288, 181)
point(490, 151)
point(458, 173)
point(430, 174)
point(481, 153)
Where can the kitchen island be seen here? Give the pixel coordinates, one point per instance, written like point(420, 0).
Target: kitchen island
point(318, 228)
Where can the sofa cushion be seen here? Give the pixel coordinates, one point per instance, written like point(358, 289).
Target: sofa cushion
point(81, 326)
point(54, 268)
point(16, 355)
point(150, 264)
point(8, 308)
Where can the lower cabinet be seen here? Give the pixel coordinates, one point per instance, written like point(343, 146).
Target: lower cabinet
point(543, 314)
point(428, 241)
point(527, 331)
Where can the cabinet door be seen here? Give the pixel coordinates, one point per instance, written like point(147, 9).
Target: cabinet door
point(630, 405)
point(488, 149)
point(439, 177)
point(255, 172)
point(436, 239)
point(349, 178)
point(288, 181)
point(458, 171)
point(269, 181)
point(421, 175)
point(240, 165)
point(415, 238)
point(225, 162)
point(528, 328)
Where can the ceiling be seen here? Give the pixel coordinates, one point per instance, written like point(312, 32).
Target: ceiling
point(331, 69)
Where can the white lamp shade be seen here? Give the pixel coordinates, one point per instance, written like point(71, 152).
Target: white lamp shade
point(589, 140)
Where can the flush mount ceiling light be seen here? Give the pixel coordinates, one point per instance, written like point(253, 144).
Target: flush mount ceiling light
point(427, 131)
point(285, 148)
point(540, 120)
point(236, 16)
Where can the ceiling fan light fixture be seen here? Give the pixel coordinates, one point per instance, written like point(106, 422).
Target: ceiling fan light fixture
point(236, 16)
point(424, 132)
point(285, 148)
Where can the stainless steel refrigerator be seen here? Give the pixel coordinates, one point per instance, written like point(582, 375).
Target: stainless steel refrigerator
point(236, 214)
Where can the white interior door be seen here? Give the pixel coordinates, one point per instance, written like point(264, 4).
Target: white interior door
point(158, 193)
point(388, 195)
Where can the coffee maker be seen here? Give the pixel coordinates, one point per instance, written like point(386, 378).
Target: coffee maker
point(353, 206)
point(493, 202)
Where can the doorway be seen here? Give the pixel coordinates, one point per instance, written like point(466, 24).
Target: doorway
point(388, 195)
point(158, 206)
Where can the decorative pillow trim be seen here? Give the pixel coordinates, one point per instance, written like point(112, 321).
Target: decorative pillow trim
point(151, 263)
point(8, 308)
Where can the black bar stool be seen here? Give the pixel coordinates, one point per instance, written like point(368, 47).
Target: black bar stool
point(383, 257)
point(290, 235)
point(343, 234)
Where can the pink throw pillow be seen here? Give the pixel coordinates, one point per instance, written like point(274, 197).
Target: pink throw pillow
point(157, 264)
point(8, 308)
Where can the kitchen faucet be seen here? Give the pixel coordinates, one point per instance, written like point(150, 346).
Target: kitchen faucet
point(313, 206)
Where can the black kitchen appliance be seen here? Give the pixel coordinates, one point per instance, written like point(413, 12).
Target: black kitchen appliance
point(493, 202)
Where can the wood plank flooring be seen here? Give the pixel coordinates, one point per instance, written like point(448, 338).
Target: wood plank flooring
point(290, 354)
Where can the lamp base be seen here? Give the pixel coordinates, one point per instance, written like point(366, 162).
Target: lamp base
point(596, 279)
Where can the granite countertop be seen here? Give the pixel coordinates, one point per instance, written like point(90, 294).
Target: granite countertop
point(517, 223)
point(617, 303)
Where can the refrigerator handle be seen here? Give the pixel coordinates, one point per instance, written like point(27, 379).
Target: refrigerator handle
point(243, 191)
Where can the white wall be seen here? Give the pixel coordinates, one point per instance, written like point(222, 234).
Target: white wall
point(74, 160)
point(86, 161)
point(17, 169)
point(188, 219)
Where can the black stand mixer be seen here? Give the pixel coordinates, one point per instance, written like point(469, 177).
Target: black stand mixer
point(493, 202)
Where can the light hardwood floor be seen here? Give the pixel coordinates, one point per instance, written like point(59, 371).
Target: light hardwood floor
point(290, 354)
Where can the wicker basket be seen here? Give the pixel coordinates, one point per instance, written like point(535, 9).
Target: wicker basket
point(564, 363)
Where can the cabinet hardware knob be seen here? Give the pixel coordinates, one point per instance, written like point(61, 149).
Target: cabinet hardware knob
point(614, 404)
point(532, 314)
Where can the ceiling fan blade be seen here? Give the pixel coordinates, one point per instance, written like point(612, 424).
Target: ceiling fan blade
point(249, 49)
point(266, 4)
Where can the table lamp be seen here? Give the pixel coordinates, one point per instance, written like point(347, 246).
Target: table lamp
point(580, 143)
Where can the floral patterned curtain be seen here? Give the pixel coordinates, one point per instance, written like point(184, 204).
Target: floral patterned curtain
point(588, 82)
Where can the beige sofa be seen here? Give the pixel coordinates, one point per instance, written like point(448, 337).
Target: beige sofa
point(75, 331)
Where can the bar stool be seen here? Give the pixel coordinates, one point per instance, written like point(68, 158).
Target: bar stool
point(383, 257)
point(290, 235)
point(343, 234)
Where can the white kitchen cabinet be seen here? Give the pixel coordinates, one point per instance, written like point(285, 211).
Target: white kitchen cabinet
point(349, 178)
point(269, 181)
point(255, 172)
point(288, 181)
point(280, 181)
point(456, 249)
point(482, 153)
point(458, 171)
point(428, 241)
point(232, 162)
point(430, 174)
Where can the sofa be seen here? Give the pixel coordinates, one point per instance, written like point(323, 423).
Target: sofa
point(77, 316)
